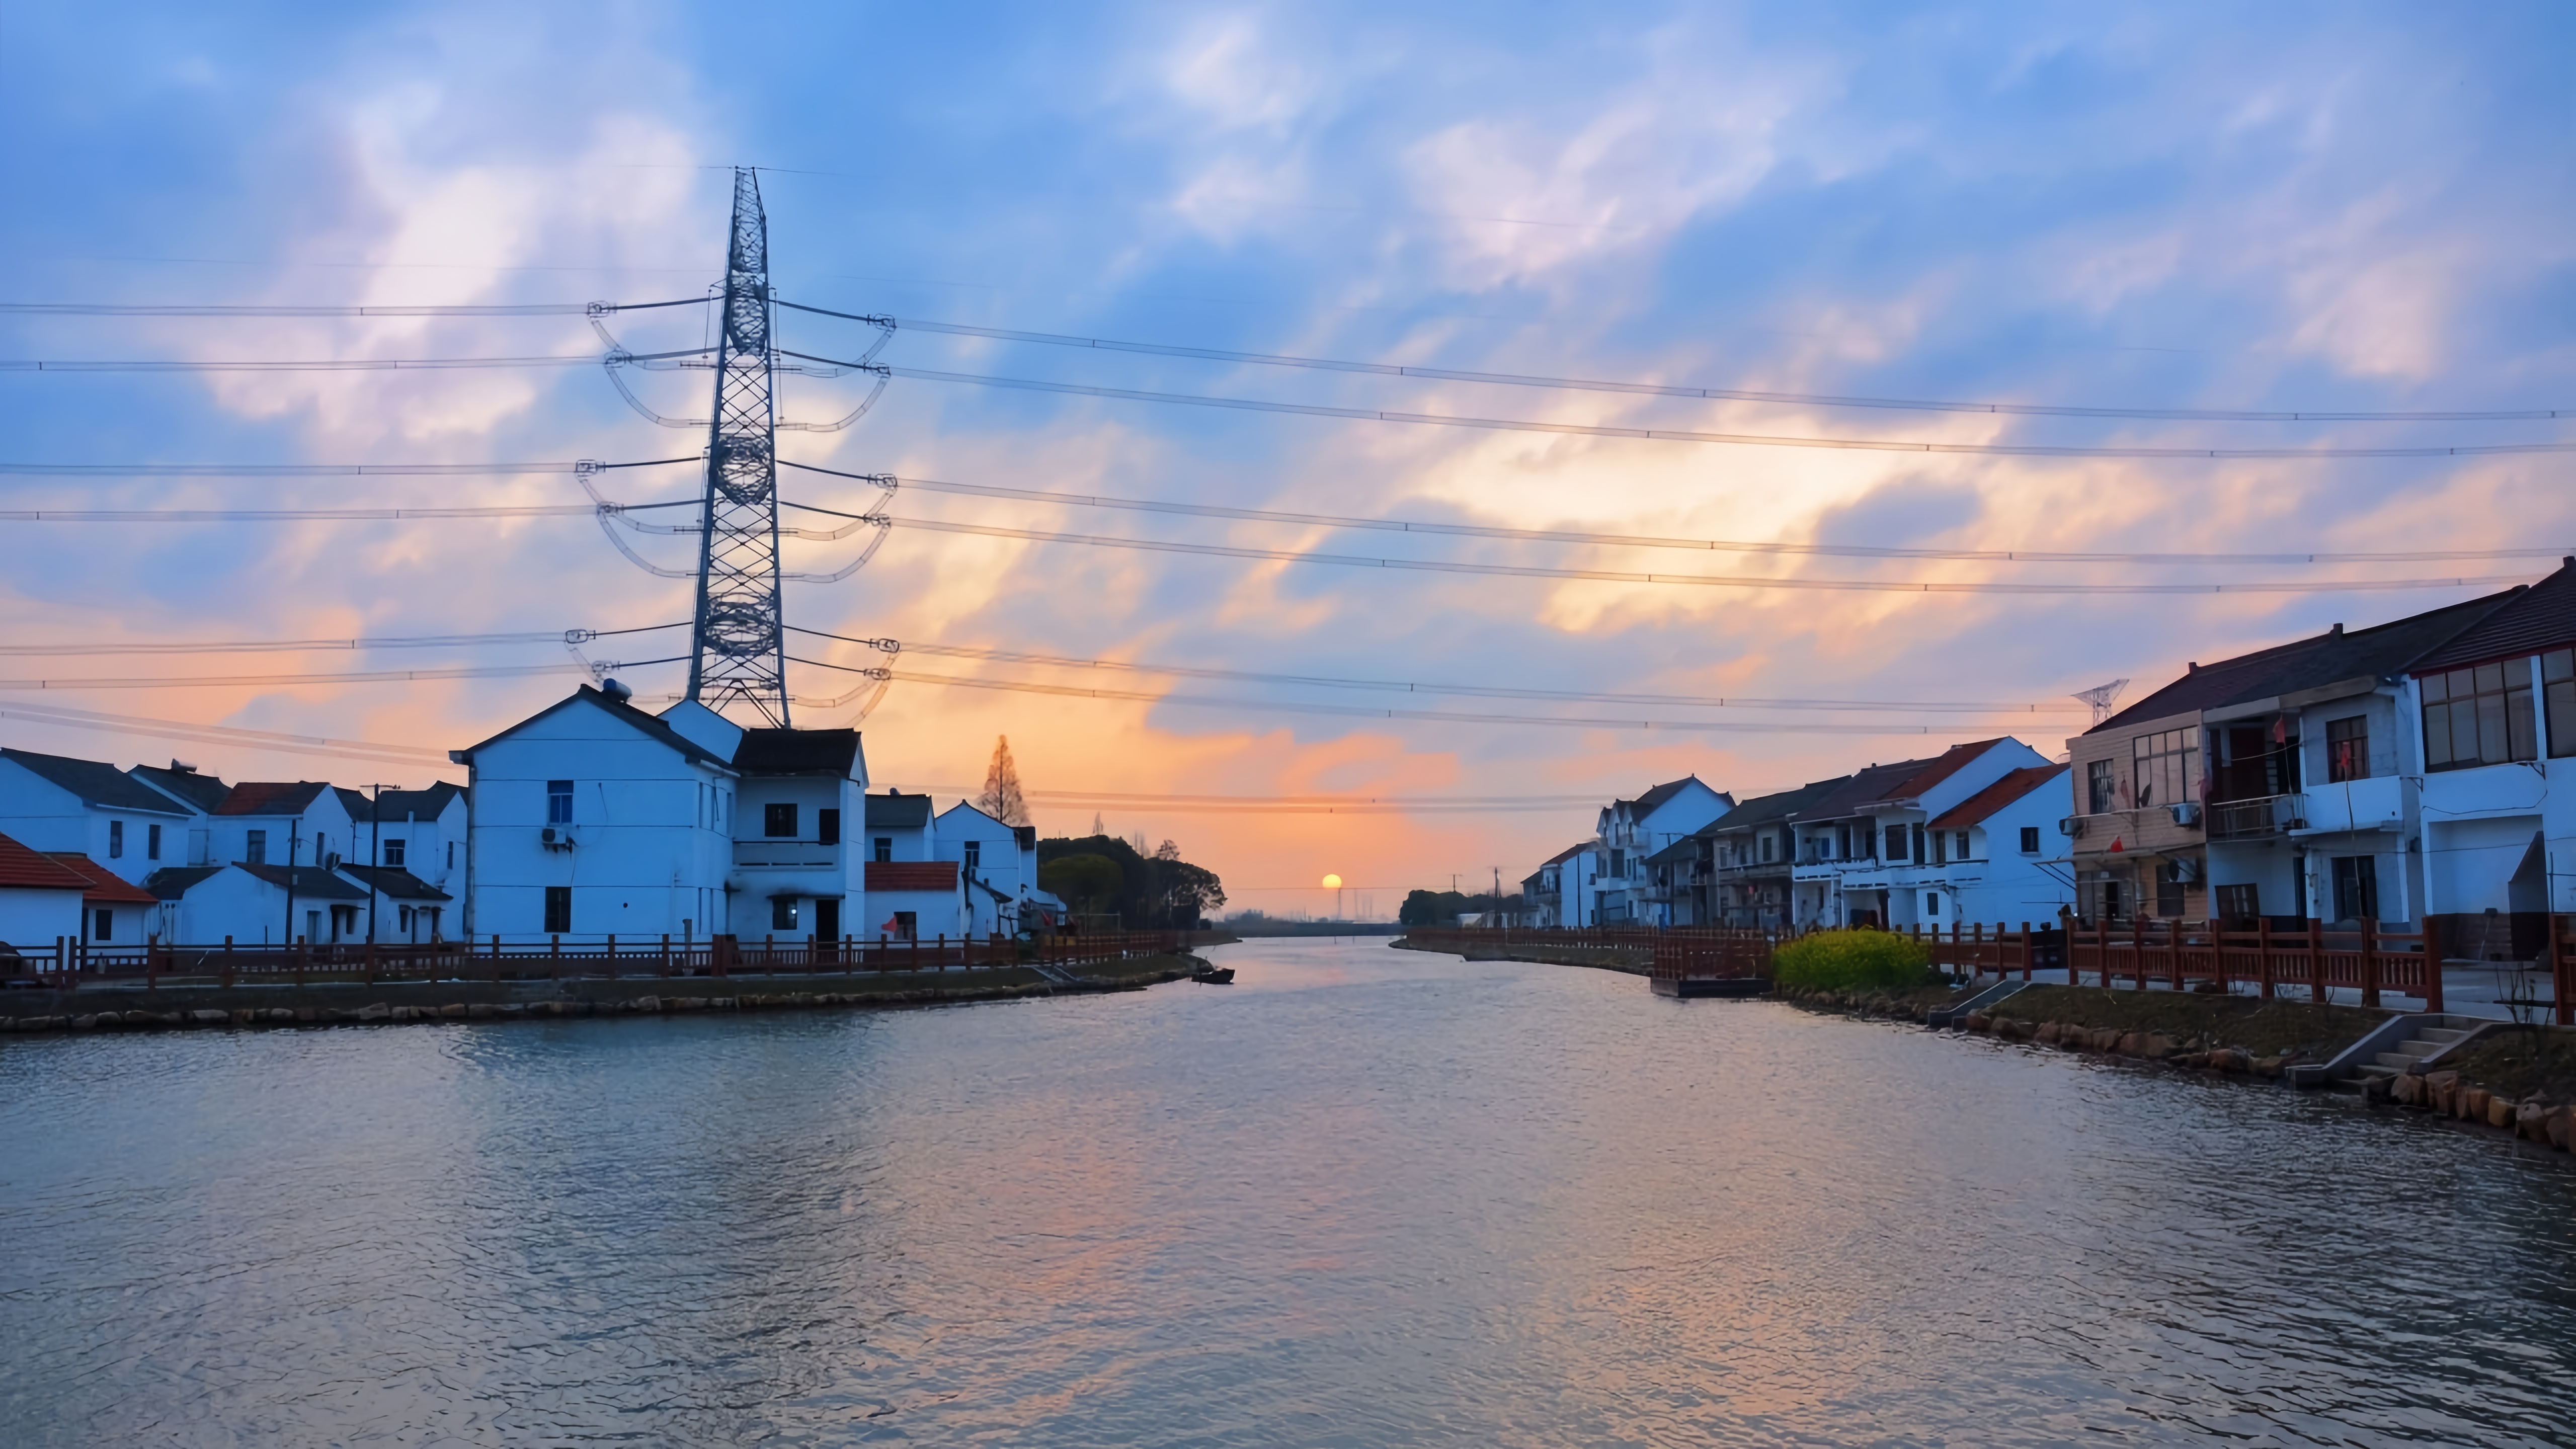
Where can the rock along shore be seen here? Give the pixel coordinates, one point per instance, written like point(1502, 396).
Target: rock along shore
point(182, 1007)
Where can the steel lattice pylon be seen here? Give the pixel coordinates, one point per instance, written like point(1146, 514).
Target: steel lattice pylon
point(738, 649)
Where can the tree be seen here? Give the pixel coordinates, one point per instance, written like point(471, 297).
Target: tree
point(1158, 890)
point(1001, 798)
point(1090, 884)
point(1191, 893)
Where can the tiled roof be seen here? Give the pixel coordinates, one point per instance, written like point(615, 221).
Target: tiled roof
point(94, 783)
point(24, 869)
point(1765, 809)
point(2381, 651)
point(312, 882)
point(912, 875)
point(1862, 788)
point(896, 811)
point(1949, 762)
point(394, 883)
point(1996, 796)
point(171, 882)
point(398, 805)
point(585, 694)
point(796, 752)
point(104, 885)
point(271, 797)
point(202, 791)
point(2543, 619)
point(1569, 853)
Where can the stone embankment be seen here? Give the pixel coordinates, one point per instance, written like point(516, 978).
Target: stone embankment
point(1625, 960)
point(2448, 1094)
point(239, 1006)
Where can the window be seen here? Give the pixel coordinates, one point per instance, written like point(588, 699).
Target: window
point(2030, 840)
point(559, 802)
point(1931, 903)
point(2102, 787)
point(1896, 842)
point(451, 855)
point(884, 848)
point(102, 926)
point(2168, 767)
point(395, 850)
point(2478, 716)
point(2558, 687)
point(1921, 851)
point(1766, 850)
point(2169, 903)
point(255, 848)
point(2240, 905)
point(115, 839)
point(827, 826)
point(778, 822)
point(906, 925)
point(2356, 887)
point(1940, 849)
point(974, 852)
point(1959, 845)
point(2347, 749)
point(782, 913)
point(152, 841)
point(558, 910)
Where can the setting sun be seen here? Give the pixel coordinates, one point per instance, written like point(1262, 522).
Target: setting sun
point(1332, 882)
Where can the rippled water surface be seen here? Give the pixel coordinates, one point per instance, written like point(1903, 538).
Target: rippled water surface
point(1364, 1197)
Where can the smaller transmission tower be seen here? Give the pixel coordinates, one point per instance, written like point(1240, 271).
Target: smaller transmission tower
point(2100, 697)
point(738, 645)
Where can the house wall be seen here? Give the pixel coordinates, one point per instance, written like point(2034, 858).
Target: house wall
point(650, 852)
point(322, 822)
point(32, 920)
point(804, 867)
point(1001, 865)
point(42, 815)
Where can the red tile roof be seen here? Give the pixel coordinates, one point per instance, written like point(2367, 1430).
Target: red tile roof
point(270, 797)
point(105, 886)
point(1997, 795)
point(1950, 762)
point(26, 870)
point(912, 875)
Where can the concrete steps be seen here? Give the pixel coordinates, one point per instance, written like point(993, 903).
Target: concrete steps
point(2424, 1036)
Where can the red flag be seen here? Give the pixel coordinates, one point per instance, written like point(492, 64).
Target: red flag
point(2115, 845)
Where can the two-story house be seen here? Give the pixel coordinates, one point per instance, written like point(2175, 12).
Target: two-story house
point(1904, 885)
point(280, 822)
point(997, 866)
point(1748, 855)
point(59, 803)
point(197, 793)
point(914, 894)
point(1619, 889)
point(793, 855)
point(1838, 840)
point(1551, 893)
point(1992, 854)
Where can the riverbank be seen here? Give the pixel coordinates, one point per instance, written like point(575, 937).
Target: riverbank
point(1599, 958)
point(331, 1003)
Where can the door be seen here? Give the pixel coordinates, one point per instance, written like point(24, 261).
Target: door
point(827, 915)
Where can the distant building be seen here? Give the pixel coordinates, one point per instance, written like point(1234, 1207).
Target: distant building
point(58, 803)
point(40, 902)
point(1619, 890)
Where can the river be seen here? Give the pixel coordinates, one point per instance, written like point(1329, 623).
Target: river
point(1364, 1197)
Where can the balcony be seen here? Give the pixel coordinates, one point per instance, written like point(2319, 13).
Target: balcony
point(790, 854)
point(2258, 819)
point(2378, 803)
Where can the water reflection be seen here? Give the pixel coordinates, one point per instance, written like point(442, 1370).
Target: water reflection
point(1362, 1197)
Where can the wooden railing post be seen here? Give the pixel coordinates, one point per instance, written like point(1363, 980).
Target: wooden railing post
point(2562, 971)
point(2369, 962)
point(2316, 960)
point(228, 961)
point(496, 958)
point(2263, 936)
point(2430, 940)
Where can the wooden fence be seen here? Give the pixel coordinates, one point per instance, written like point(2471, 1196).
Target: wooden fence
point(2179, 954)
point(73, 963)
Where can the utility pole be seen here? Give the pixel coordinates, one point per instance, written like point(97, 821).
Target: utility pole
point(294, 845)
point(375, 852)
point(737, 645)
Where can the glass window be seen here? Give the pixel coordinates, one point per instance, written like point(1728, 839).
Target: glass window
point(778, 822)
point(2558, 688)
point(559, 802)
point(885, 847)
point(1959, 845)
point(152, 841)
point(395, 851)
point(2347, 749)
point(827, 826)
point(1931, 903)
point(115, 839)
point(255, 848)
point(2168, 767)
point(2102, 787)
point(782, 913)
point(104, 927)
point(2030, 840)
point(974, 854)
point(2479, 716)
point(558, 910)
point(2356, 887)
point(1896, 842)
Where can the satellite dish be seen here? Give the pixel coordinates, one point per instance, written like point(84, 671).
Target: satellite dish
point(2100, 697)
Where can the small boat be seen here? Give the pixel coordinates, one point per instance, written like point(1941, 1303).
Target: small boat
point(1213, 976)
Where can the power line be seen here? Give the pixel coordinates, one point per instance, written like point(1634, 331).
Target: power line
point(321, 470)
point(1760, 440)
point(326, 364)
point(385, 676)
point(1628, 540)
point(1726, 581)
point(537, 309)
point(221, 734)
point(289, 646)
point(1647, 389)
point(1006, 656)
point(903, 676)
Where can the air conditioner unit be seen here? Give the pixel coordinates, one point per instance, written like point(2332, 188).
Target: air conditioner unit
point(555, 837)
point(2071, 827)
point(2186, 812)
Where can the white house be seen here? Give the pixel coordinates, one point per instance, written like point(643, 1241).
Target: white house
point(593, 818)
point(999, 866)
point(1867, 853)
point(1549, 894)
point(1616, 891)
point(114, 911)
point(1992, 855)
point(57, 803)
point(257, 905)
point(913, 894)
point(419, 831)
point(40, 902)
point(278, 822)
point(400, 906)
point(794, 866)
point(194, 791)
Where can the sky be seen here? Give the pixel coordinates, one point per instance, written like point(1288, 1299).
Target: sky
point(2327, 207)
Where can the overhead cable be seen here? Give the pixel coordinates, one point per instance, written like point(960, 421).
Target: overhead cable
point(536, 309)
point(319, 470)
point(383, 676)
point(320, 364)
point(1630, 540)
point(1723, 581)
point(1010, 656)
point(298, 646)
point(268, 740)
point(1725, 394)
point(1759, 440)
point(1258, 706)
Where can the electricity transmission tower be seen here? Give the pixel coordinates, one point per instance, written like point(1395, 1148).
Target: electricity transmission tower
point(737, 645)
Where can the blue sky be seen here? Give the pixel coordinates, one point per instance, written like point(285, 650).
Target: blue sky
point(2350, 207)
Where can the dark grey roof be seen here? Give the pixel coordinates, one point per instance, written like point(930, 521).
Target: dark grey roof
point(895, 811)
point(1653, 800)
point(1683, 849)
point(202, 791)
point(2542, 619)
point(1858, 789)
point(172, 881)
point(353, 801)
point(1767, 809)
point(1026, 835)
point(394, 883)
point(312, 882)
point(397, 805)
point(2381, 651)
point(796, 752)
point(615, 706)
point(95, 784)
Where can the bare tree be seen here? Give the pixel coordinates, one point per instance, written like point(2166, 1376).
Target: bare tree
point(1001, 798)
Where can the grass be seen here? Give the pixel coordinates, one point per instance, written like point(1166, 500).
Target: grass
point(2518, 1064)
point(2262, 1028)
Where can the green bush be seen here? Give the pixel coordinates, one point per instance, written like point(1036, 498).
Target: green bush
point(1852, 961)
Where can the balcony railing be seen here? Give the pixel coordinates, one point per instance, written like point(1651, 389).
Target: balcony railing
point(811, 854)
point(2254, 819)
